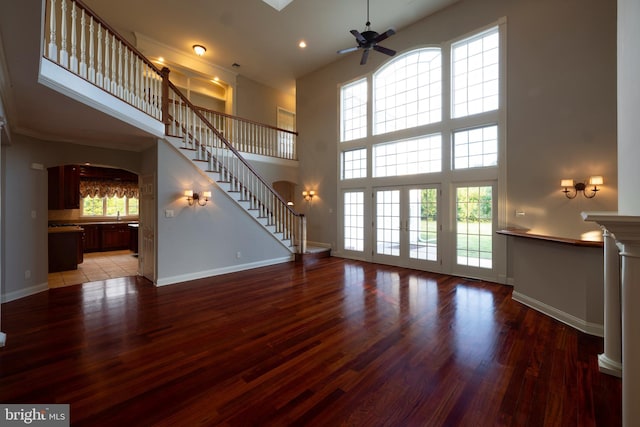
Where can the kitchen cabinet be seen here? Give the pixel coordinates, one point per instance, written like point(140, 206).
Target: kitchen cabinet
point(114, 236)
point(64, 187)
point(91, 237)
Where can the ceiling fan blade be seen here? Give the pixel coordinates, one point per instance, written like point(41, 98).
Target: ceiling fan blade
point(385, 35)
point(358, 36)
point(349, 49)
point(365, 54)
point(384, 50)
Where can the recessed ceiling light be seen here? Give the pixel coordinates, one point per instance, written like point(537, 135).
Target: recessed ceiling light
point(302, 44)
point(161, 59)
point(216, 79)
point(199, 49)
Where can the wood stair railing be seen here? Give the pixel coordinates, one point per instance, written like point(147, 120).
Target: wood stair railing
point(87, 46)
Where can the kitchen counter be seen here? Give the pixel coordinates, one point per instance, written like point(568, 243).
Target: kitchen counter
point(65, 229)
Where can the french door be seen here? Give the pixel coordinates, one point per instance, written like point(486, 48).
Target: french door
point(406, 226)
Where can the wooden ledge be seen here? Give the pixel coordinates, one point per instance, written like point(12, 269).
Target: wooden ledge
point(575, 242)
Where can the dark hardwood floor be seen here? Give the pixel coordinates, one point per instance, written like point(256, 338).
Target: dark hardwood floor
point(335, 342)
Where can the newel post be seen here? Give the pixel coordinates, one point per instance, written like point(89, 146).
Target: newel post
point(165, 98)
point(303, 234)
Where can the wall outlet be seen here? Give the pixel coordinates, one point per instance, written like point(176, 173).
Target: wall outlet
point(27, 274)
point(34, 214)
point(238, 255)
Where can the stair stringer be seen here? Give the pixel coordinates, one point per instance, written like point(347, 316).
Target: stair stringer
point(214, 178)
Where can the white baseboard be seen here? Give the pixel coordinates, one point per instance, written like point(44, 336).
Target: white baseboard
point(21, 293)
point(318, 244)
point(218, 271)
point(566, 318)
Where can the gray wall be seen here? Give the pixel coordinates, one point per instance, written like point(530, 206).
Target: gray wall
point(200, 241)
point(561, 108)
point(260, 103)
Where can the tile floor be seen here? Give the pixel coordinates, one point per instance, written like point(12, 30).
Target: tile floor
point(97, 266)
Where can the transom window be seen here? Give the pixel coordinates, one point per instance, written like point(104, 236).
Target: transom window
point(408, 91)
point(353, 107)
point(476, 74)
point(354, 164)
point(408, 157)
point(475, 148)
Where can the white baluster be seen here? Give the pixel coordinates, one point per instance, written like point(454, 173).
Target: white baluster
point(107, 52)
point(120, 64)
point(114, 78)
point(92, 69)
point(73, 63)
point(126, 76)
point(64, 55)
point(99, 75)
point(83, 46)
point(53, 46)
point(137, 102)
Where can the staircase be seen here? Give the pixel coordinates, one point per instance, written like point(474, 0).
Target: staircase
point(88, 47)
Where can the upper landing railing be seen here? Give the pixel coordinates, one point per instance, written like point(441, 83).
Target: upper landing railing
point(77, 39)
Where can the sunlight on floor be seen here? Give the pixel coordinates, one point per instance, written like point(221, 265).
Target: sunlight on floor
point(97, 266)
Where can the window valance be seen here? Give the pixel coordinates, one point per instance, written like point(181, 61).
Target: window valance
point(108, 188)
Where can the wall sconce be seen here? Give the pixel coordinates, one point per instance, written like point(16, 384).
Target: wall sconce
point(571, 188)
point(308, 195)
point(200, 198)
point(199, 49)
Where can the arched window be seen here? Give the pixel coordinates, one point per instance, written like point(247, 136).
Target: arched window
point(408, 91)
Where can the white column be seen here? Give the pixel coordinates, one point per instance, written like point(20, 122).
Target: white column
point(626, 229)
point(630, 333)
point(610, 361)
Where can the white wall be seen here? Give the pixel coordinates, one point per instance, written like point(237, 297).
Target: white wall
point(200, 241)
point(561, 108)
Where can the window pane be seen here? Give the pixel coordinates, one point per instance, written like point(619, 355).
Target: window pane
point(475, 74)
point(354, 164)
point(132, 206)
point(353, 102)
point(408, 91)
point(388, 222)
point(354, 221)
point(475, 148)
point(423, 224)
point(408, 157)
point(116, 206)
point(92, 206)
point(474, 226)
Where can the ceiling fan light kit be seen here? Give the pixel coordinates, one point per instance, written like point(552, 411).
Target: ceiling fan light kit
point(368, 40)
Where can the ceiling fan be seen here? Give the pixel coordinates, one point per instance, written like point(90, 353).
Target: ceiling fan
point(368, 40)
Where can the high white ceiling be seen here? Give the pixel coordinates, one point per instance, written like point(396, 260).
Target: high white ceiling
point(263, 41)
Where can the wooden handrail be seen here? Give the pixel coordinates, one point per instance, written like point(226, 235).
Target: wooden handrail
point(242, 119)
point(230, 147)
point(117, 34)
